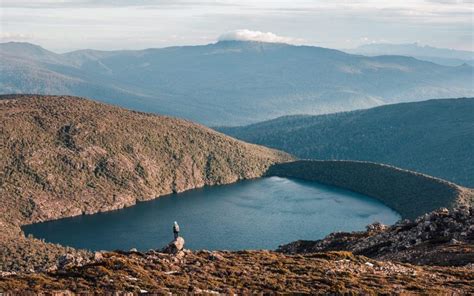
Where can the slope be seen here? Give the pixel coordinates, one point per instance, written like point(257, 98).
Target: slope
point(435, 137)
point(66, 156)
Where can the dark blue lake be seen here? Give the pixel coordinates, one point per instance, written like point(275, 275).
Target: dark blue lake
point(255, 214)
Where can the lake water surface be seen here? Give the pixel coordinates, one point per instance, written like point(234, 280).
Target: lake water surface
point(255, 214)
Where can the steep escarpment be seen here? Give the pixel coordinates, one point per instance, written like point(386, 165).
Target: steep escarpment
point(409, 193)
point(64, 156)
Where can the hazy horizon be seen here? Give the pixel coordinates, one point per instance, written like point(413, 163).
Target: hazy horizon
point(106, 25)
point(348, 50)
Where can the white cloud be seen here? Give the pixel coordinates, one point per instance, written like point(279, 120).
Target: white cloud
point(108, 3)
point(8, 36)
point(133, 24)
point(247, 35)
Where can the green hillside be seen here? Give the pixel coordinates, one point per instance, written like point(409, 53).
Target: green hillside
point(435, 137)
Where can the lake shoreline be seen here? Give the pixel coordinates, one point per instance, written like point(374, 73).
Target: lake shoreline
point(261, 214)
point(409, 193)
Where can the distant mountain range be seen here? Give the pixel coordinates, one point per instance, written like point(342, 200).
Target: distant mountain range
point(442, 56)
point(230, 82)
point(435, 137)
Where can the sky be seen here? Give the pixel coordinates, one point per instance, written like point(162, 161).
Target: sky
point(65, 25)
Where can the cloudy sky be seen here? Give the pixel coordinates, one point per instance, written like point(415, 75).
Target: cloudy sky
point(63, 25)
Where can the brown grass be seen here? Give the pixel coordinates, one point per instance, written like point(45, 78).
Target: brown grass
point(246, 272)
point(65, 156)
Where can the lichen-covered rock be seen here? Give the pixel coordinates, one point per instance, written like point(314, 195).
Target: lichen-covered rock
point(376, 227)
point(71, 260)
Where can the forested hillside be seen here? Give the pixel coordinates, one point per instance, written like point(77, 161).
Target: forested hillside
point(435, 137)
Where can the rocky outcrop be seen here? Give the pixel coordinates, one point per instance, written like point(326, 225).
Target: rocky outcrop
point(69, 260)
point(442, 237)
point(410, 194)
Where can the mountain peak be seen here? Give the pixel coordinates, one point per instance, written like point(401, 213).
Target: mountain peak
point(21, 45)
point(25, 49)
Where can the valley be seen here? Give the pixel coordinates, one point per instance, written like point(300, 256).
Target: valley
point(226, 76)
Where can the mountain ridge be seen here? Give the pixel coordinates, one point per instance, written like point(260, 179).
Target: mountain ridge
point(279, 78)
point(443, 56)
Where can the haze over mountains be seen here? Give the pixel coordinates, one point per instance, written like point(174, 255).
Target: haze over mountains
point(442, 56)
point(435, 137)
point(230, 82)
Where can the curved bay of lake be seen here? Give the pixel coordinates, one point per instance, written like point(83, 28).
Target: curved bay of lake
point(254, 214)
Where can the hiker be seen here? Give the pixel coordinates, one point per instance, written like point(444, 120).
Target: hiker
point(176, 230)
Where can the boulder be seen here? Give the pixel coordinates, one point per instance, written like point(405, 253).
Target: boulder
point(175, 246)
point(216, 256)
point(376, 227)
point(70, 260)
point(98, 256)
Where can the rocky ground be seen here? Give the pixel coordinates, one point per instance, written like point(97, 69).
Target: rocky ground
point(242, 272)
point(434, 244)
point(21, 254)
point(442, 237)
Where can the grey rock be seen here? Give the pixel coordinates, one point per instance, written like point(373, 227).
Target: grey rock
point(98, 256)
point(70, 260)
point(175, 246)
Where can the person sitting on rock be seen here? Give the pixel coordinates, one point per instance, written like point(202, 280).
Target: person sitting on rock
point(176, 230)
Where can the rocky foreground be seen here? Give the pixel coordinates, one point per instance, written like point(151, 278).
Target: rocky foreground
point(437, 248)
point(243, 272)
